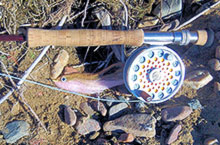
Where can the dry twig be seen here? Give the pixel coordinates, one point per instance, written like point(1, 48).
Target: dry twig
point(197, 16)
point(85, 13)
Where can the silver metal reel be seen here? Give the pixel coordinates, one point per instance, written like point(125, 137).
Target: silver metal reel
point(154, 74)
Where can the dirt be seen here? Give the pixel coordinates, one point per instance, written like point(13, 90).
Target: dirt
point(47, 103)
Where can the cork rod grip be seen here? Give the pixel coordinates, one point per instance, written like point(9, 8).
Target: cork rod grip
point(84, 37)
point(202, 37)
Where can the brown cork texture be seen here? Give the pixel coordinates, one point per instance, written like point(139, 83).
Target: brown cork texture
point(84, 37)
point(202, 37)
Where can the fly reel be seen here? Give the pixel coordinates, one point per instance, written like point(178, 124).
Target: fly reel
point(154, 74)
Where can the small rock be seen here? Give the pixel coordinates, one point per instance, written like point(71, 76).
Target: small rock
point(174, 134)
point(102, 141)
point(137, 124)
point(85, 106)
point(85, 126)
point(94, 135)
point(148, 21)
point(195, 104)
point(169, 8)
point(100, 107)
point(211, 141)
point(126, 138)
point(69, 116)
point(15, 130)
point(214, 64)
point(175, 113)
point(198, 79)
point(217, 52)
point(59, 63)
point(117, 110)
point(217, 88)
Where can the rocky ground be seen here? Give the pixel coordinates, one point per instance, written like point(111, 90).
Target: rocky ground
point(190, 117)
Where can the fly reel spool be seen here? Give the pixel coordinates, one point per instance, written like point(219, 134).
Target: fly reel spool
point(154, 74)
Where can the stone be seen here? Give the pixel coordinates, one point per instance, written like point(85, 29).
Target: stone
point(86, 126)
point(117, 110)
point(175, 113)
point(94, 135)
point(15, 130)
point(102, 141)
point(69, 116)
point(211, 141)
point(137, 124)
point(169, 8)
point(99, 107)
point(174, 134)
point(217, 88)
point(214, 64)
point(195, 104)
point(60, 61)
point(85, 106)
point(148, 21)
point(198, 79)
point(126, 138)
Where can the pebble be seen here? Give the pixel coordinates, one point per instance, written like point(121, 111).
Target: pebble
point(102, 141)
point(99, 107)
point(69, 116)
point(217, 52)
point(126, 138)
point(94, 135)
point(148, 21)
point(85, 126)
point(214, 64)
point(217, 88)
point(175, 113)
point(137, 124)
point(117, 110)
point(211, 141)
point(174, 134)
point(59, 63)
point(198, 79)
point(85, 106)
point(195, 104)
point(15, 130)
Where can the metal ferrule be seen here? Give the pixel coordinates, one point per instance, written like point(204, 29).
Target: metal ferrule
point(183, 37)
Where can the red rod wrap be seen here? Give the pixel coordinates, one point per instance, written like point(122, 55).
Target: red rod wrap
point(11, 38)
